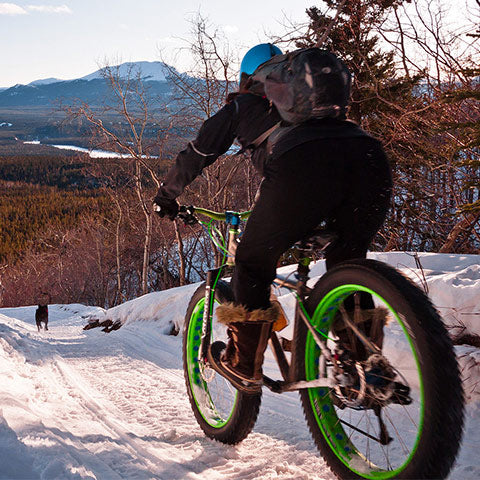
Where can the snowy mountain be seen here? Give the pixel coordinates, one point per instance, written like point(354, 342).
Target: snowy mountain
point(81, 404)
point(45, 81)
point(150, 71)
point(91, 88)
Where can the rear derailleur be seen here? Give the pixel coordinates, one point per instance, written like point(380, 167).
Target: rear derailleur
point(369, 384)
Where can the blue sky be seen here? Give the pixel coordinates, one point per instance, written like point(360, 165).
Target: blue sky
point(69, 38)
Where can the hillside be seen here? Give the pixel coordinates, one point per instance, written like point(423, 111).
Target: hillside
point(95, 92)
point(44, 193)
point(86, 405)
point(91, 88)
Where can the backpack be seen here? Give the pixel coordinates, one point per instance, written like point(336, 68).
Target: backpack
point(304, 84)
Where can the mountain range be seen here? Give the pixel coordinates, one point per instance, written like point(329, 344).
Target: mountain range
point(91, 88)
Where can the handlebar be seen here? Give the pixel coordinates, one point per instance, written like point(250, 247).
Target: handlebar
point(187, 214)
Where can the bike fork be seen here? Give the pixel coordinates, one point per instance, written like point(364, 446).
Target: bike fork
point(212, 276)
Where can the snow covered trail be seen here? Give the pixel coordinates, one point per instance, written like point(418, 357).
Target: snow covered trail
point(80, 404)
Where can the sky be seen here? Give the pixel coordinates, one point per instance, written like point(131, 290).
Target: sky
point(68, 39)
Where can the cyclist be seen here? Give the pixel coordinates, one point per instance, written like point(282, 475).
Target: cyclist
point(327, 170)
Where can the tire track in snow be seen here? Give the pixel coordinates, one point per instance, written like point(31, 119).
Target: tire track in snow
point(122, 412)
point(119, 429)
point(157, 401)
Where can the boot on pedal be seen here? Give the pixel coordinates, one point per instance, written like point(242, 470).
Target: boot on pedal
point(240, 360)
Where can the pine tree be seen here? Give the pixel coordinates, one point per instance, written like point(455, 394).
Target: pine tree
point(389, 103)
point(377, 86)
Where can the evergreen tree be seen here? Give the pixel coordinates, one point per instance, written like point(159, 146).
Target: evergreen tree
point(389, 103)
point(377, 86)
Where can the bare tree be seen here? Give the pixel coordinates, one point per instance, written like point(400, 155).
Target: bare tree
point(406, 57)
point(201, 90)
point(131, 103)
point(199, 93)
point(427, 39)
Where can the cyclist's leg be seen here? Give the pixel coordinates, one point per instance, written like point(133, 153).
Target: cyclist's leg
point(356, 222)
point(294, 197)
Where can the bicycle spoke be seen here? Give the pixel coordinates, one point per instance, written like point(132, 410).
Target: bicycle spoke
point(399, 436)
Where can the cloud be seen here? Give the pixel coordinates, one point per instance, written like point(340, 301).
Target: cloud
point(49, 8)
point(11, 9)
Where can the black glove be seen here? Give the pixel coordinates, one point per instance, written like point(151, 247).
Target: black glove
point(165, 207)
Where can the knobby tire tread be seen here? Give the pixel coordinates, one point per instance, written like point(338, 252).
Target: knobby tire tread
point(444, 399)
point(246, 410)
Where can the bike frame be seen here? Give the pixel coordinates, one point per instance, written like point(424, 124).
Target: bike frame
point(298, 285)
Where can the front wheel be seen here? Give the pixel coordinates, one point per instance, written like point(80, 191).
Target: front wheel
point(223, 413)
point(397, 408)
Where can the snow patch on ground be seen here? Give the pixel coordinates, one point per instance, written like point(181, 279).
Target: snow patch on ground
point(78, 404)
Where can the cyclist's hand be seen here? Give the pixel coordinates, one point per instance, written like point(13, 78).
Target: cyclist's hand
point(165, 207)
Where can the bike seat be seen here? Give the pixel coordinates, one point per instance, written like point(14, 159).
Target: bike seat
point(319, 240)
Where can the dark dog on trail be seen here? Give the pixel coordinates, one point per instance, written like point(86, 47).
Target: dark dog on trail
point(41, 315)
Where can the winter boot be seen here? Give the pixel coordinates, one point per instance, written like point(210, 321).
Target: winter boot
point(240, 361)
point(370, 322)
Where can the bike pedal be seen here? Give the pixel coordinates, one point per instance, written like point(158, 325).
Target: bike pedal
point(274, 385)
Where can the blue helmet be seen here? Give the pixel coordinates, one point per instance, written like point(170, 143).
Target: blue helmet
point(256, 56)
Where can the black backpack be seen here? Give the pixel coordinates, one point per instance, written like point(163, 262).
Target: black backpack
point(304, 84)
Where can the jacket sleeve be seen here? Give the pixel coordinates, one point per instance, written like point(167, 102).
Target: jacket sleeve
point(214, 138)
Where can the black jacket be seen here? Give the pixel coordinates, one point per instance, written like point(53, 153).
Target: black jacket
point(246, 118)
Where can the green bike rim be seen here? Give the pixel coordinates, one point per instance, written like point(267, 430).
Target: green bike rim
point(320, 399)
point(198, 386)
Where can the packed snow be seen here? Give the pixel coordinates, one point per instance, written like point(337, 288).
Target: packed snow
point(81, 404)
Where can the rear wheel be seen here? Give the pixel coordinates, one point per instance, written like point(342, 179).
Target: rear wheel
point(223, 413)
point(397, 411)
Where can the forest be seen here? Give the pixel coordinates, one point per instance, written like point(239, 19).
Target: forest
point(83, 229)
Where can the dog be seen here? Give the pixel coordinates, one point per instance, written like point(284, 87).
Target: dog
point(41, 315)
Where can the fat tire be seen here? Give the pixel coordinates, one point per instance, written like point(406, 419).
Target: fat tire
point(443, 394)
point(245, 411)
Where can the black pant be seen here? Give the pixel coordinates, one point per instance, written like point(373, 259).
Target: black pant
point(344, 182)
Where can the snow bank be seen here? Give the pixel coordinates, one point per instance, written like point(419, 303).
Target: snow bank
point(78, 404)
point(167, 309)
